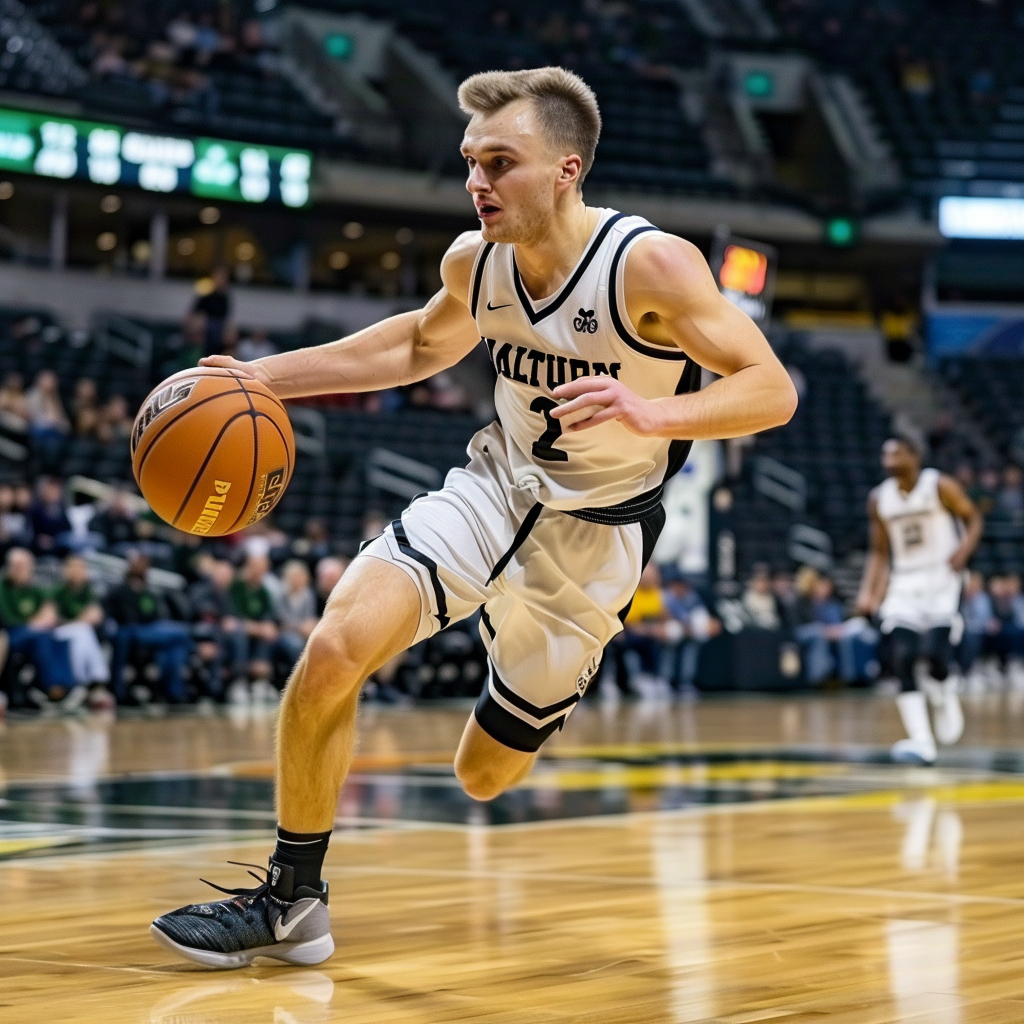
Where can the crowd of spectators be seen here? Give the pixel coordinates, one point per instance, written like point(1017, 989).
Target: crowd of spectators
point(228, 626)
point(670, 620)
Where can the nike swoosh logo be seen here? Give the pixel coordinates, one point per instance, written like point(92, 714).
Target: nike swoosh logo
point(493, 308)
point(282, 931)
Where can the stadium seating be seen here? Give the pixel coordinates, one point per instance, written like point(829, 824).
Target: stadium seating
point(237, 91)
point(944, 78)
point(834, 441)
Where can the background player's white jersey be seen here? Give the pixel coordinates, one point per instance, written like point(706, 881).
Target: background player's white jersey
point(924, 591)
point(581, 330)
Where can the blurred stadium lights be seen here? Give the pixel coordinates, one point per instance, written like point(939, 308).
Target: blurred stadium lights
point(979, 217)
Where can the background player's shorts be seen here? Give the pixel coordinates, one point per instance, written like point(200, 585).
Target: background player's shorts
point(552, 586)
point(923, 600)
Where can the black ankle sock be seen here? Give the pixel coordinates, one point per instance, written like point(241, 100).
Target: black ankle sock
point(304, 853)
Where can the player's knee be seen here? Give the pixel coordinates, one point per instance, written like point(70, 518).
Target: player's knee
point(330, 667)
point(479, 781)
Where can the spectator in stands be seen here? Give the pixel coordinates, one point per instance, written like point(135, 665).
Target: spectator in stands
point(639, 644)
point(827, 650)
point(116, 523)
point(47, 421)
point(51, 530)
point(786, 599)
point(253, 605)
point(15, 530)
point(80, 615)
point(1009, 503)
point(220, 641)
point(29, 618)
point(685, 607)
point(759, 600)
point(987, 489)
point(215, 306)
point(296, 610)
point(13, 401)
point(329, 571)
point(1007, 636)
point(255, 345)
point(979, 622)
point(115, 424)
point(315, 542)
point(85, 408)
point(144, 624)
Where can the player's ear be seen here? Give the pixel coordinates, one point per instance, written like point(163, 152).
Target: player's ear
point(569, 170)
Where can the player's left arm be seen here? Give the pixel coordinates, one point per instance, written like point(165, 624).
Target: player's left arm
point(952, 495)
point(672, 299)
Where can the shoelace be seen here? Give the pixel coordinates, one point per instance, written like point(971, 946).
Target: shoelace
point(262, 888)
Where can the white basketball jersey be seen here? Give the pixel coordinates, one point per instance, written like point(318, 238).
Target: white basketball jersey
point(582, 330)
point(922, 531)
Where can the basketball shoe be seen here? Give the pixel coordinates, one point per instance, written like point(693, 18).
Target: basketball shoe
point(275, 919)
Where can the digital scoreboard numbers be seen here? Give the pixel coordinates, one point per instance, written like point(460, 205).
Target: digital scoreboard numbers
point(106, 154)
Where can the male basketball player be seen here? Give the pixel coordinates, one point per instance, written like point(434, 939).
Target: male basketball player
point(597, 325)
point(912, 580)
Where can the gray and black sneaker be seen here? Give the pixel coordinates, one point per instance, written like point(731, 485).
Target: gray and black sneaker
point(274, 920)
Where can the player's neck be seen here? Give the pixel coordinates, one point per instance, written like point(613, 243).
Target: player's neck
point(908, 481)
point(545, 265)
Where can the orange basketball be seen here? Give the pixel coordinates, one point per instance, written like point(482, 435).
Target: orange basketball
point(212, 451)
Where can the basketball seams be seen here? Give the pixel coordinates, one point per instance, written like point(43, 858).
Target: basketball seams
point(255, 411)
point(169, 423)
point(255, 458)
point(206, 462)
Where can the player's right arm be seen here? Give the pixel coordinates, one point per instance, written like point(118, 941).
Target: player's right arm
point(400, 350)
point(876, 570)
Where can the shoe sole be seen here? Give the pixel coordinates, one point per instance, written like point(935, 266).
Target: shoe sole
point(302, 954)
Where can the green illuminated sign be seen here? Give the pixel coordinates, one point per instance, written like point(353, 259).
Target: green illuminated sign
point(759, 84)
point(57, 147)
point(841, 231)
point(339, 46)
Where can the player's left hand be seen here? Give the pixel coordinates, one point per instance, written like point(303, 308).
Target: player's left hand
point(605, 398)
point(959, 559)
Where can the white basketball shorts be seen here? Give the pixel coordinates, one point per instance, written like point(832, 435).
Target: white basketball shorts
point(922, 600)
point(553, 589)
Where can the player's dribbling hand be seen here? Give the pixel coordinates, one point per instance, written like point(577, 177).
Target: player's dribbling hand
point(604, 398)
point(252, 371)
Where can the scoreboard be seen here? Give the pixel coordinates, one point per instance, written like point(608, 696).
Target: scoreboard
point(106, 154)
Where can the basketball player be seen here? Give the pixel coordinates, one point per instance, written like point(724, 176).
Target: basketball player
point(597, 326)
point(924, 530)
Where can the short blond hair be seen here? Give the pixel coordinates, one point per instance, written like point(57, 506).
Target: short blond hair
point(566, 106)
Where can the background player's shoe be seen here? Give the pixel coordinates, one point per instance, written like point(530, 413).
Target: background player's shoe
point(274, 920)
point(919, 747)
point(947, 714)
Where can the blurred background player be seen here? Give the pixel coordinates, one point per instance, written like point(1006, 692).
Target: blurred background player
point(924, 530)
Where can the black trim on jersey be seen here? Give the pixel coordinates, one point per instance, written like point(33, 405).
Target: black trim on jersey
point(522, 533)
point(566, 290)
point(613, 305)
point(478, 277)
point(509, 730)
point(679, 451)
point(409, 551)
point(650, 531)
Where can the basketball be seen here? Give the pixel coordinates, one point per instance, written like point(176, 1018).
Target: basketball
point(212, 451)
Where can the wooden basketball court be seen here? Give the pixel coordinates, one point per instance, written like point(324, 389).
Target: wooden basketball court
point(732, 861)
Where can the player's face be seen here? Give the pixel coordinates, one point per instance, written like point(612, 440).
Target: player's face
point(514, 174)
point(897, 458)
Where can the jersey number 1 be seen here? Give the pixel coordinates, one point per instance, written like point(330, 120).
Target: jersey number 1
point(543, 447)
